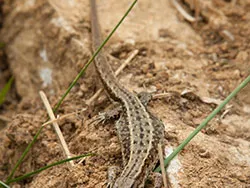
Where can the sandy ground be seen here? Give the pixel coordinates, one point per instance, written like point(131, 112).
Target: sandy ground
point(197, 64)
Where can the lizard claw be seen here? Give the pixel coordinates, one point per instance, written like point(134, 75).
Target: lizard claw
point(100, 118)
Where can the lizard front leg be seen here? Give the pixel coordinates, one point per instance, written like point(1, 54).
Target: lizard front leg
point(113, 114)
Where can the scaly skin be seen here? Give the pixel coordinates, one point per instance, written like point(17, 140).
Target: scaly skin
point(139, 131)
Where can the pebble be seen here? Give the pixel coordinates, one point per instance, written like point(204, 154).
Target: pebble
point(242, 56)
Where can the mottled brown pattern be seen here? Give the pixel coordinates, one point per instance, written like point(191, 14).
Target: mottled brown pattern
point(139, 132)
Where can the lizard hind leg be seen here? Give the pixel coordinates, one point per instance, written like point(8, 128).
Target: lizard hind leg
point(124, 138)
point(155, 179)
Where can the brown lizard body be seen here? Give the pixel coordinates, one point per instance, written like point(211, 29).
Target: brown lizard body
point(139, 132)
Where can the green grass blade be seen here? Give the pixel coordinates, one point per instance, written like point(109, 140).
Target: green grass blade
point(69, 88)
point(2, 45)
point(5, 90)
point(46, 167)
point(93, 57)
point(204, 123)
point(2, 184)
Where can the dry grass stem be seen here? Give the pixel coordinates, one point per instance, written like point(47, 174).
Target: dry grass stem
point(126, 62)
point(162, 95)
point(63, 117)
point(56, 128)
point(94, 97)
point(164, 176)
point(4, 118)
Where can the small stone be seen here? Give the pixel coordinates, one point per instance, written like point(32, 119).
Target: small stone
point(158, 86)
point(236, 74)
point(164, 75)
point(123, 55)
point(83, 88)
point(80, 93)
point(149, 75)
point(175, 64)
point(214, 57)
point(242, 56)
point(145, 68)
point(130, 41)
point(159, 65)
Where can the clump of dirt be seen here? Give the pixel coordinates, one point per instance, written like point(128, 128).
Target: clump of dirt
point(195, 65)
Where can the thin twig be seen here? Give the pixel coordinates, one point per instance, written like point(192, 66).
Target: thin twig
point(117, 72)
point(126, 62)
point(4, 118)
point(164, 176)
point(183, 12)
point(162, 95)
point(63, 117)
point(56, 127)
point(94, 97)
point(228, 34)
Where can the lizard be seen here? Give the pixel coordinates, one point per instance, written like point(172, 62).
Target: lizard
point(138, 130)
